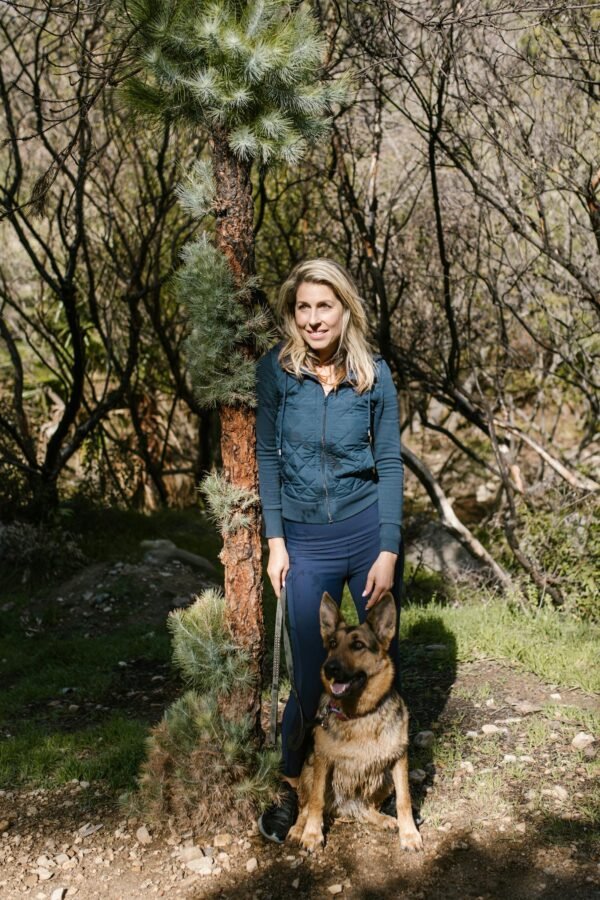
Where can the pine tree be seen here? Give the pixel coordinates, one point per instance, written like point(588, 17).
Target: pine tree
point(248, 74)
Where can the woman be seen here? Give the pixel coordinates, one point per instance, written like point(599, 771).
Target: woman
point(330, 475)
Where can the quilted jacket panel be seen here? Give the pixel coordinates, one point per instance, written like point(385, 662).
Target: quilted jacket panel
point(316, 463)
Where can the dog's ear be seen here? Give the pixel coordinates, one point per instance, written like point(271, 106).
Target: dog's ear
point(382, 620)
point(329, 617)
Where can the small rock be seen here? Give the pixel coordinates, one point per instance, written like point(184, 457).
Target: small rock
point(579, 742)
point(252, 864)
point(296, 883)
point(43, 874)
point(143, 835)
point(201, 866)
point(58, 893)
point(88, 829)
point(490, 703)
point(493, 729)
point(423, 739)
point(526, 759)
point(186, 854)
point(61, 859)
point(472, 734)
point(560, 793)
point(510, 758)
point(43, 862)
point(521, 827)
point(222, 840)
point(4, 825)
point(467, 766)
point(335, 888)
point(526, 707)
point(555, 696)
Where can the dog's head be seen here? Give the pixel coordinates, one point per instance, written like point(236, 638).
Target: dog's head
point(357, 654)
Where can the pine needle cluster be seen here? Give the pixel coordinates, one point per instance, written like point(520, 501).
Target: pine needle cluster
point(221, 322)
point(252, 69)
point(204, 767)
point(203, 651)
point(228, 503)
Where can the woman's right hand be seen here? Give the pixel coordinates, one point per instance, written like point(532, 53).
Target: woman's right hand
point(278, 565)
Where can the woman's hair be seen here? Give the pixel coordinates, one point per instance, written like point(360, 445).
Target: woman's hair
point(352, 357)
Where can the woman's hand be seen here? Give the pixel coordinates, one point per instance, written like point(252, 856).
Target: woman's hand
point(381, 577)
point(278, 565)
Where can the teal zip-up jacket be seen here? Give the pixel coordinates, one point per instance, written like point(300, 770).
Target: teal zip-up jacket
point(325, 457)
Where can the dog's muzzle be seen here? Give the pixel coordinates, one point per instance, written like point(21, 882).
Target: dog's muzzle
point(341, 681)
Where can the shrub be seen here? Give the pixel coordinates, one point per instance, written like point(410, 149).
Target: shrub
point(203, 765)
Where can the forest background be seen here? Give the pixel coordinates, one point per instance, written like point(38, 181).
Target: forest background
point(458, 183)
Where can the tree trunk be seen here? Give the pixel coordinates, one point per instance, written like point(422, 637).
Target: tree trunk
point(241, 553)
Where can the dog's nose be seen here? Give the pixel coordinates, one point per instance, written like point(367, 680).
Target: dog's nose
point(332, 669)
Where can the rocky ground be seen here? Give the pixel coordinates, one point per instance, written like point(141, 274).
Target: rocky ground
point(502, 771)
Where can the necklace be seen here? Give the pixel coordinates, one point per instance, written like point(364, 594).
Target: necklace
point(327, 377)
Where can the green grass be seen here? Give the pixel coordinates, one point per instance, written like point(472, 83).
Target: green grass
point(556, 648)
point(110, 752)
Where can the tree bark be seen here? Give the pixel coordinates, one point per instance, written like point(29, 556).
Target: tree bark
point(242, 552)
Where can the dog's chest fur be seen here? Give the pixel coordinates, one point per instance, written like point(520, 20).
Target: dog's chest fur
point(361, 753)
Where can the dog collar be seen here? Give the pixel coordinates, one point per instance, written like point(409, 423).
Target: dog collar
point(333, 710)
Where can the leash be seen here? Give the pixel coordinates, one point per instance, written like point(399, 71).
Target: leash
point(281, 633)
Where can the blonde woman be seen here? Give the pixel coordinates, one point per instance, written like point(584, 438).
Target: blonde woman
point(330, 476)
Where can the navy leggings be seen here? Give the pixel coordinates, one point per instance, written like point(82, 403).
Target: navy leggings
point(324, 558)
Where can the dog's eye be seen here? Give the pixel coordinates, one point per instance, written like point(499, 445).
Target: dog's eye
point(358, 645)
point(332, 643)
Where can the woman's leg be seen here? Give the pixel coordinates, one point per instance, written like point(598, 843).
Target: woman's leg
point(310, 574)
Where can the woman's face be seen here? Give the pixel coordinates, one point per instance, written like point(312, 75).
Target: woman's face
point(319, 316)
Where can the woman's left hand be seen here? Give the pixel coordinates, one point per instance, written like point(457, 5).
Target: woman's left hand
point(381, 577)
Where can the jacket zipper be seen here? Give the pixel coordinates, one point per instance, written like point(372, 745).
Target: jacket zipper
point(323, 466)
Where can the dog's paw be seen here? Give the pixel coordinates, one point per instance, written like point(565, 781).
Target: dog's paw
point(312, 839)
point(411, 841)
point(295, 833)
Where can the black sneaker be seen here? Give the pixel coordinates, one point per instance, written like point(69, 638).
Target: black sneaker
point(277, 820)
point(388, 808)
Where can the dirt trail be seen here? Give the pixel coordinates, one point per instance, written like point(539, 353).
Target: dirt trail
point(506, 799)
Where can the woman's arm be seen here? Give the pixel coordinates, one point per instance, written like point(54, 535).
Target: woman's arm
point(269, 477)
point(388, 460)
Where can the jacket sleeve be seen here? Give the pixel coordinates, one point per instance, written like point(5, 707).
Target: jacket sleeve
point(269, 476)
point(388, 460)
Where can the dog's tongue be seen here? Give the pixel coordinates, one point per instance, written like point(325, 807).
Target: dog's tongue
point(338, 688)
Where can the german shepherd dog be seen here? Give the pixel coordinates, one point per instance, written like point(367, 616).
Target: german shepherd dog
point(360, 750)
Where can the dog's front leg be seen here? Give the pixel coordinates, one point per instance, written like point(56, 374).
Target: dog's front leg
point(312, 836)
point(410, 839)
